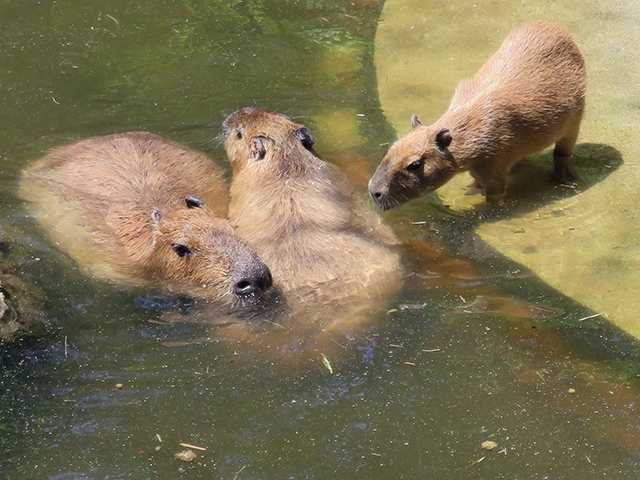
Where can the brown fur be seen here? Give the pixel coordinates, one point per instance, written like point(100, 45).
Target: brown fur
point(528, 96)
point(300, 213)
point(138, 209)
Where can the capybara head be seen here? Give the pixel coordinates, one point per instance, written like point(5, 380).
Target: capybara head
point(268, 141)
point(193, 248)
point(416, 164)
point(280, 185)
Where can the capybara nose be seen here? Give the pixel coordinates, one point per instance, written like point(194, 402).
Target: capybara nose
point(378, 198)
point(255, 281)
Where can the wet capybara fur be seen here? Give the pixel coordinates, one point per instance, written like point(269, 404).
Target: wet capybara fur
point(529, 95)
point(301, 215)
point(137, 209)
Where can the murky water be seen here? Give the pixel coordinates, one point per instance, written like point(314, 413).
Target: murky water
point(475, 348)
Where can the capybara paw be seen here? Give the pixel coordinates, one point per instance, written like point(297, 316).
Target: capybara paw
point(497, 199)
point(564, 177)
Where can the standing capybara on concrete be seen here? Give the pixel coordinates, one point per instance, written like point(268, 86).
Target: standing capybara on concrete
point(138, 209)
point(528, 96)
point(301, 215)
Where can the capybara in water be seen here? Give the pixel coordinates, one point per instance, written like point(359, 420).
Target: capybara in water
point(137, 209)
point(302, 216)
point(528, 96)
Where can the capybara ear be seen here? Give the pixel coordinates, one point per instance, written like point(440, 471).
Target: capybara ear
point(181, 250)
point(259, 147)
point(305, 137)
point(193, 202)
point(415, 121)
point(443, 139)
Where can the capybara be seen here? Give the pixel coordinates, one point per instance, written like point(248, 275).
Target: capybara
point(528, 96)
point(302, 216)
point(137, 209)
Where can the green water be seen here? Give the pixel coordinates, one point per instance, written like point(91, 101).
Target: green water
point(420, 388)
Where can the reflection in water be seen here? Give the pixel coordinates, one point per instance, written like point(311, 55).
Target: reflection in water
point(508, 306)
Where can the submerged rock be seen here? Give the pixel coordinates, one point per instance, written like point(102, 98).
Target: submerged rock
point(21, 301)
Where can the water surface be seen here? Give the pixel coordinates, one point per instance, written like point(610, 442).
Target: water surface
point(111, 391)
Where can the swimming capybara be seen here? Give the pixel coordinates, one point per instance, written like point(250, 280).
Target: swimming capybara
point(528, 96)
point(137, 209)
point(302, 216)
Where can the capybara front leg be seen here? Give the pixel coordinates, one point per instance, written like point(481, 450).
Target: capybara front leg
point(493, 184)
point(562, 172)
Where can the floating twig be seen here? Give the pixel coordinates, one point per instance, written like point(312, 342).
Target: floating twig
point(591, 316)
point(113, 18)
point(474, 462)
point(195, 447)
point(235, 477)
point(327, 363)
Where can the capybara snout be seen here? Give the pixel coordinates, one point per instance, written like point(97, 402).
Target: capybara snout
point(194, 247)
point(250, 276)
point(429, 166)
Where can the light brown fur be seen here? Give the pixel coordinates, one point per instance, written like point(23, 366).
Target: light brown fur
point(138, 209)
point(526, 97)
point(302, 216)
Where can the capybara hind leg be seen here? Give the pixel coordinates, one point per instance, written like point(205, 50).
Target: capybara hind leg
point(562, 172)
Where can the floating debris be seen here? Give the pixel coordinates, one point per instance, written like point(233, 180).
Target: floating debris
point(186, 455)
point(489, 445)
point(327, 363)
point(412, 306)
point(603, 315)
point(474, 462)
point(195, 447)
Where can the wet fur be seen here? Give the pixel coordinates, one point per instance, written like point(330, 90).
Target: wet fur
point(138, 209)
point(529, 95)
point(302, 216)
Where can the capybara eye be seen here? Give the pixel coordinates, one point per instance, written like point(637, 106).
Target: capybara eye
point(239, 135)
point(181, 250)
point(193, 202)
point(415, 165)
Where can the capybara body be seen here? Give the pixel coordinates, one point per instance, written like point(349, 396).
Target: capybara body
point(301, 215)
point(527, 96)
point(138, 209)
